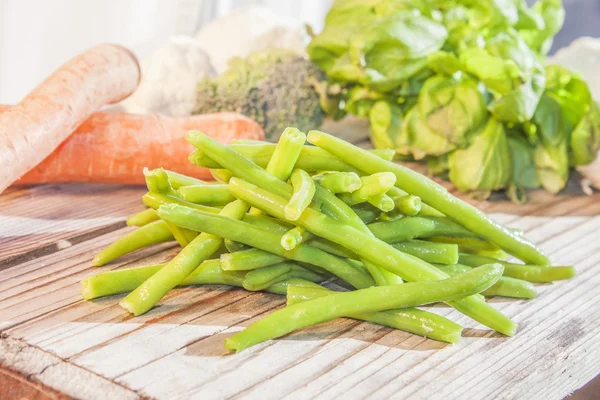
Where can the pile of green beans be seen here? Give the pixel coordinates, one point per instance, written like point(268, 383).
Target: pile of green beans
point(292, 219)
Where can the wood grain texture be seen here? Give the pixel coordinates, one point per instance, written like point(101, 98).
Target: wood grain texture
point(176, 350)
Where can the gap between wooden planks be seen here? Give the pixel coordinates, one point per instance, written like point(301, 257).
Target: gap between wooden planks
point(158, 353)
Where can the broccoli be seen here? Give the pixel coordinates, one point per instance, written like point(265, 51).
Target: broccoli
point(277, 88)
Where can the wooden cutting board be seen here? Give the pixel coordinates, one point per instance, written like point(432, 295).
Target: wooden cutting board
point(49, 234)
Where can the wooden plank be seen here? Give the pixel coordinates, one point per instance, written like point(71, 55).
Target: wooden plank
point(176, 349)
point(42, 219)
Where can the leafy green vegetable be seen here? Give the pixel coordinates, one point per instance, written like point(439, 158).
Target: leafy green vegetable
point(461, 84)
point(486, 164)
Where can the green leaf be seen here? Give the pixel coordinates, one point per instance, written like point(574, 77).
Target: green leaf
point(499, 74)
point(486, 164)
point(405, 35)
point(325, 48)
point(520, 105)
point(553, 15)
point(585, 138)
point(549, 121)
point(416, 139)
point(452, 108)
point(552, 164)
point(360, 100)
point(386, 124)
point(443, 62)
point(524, 173)
point(384, 72)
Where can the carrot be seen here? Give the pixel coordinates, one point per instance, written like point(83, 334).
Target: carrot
point(31, 130)
point(115, 147)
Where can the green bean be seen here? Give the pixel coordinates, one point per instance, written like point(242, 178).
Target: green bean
point(203, 246)
point(261, 239)
point(142, 218)
point(366, 212)
point(178, 180)
point(304, 191)
point(506, 286)
point(413, 320)
point(286, 153)
point(531, 273)
point(126, 280)
point(157, 181)
point(371, 300)
point(441, 253)
point(434, 195)
point(311, 158)
point(339, 182)
point(206, 194)
point(260, 279)
point(382, 201)
point(408, 267)
point(282, 287)
point(155, 200)
point(234, 247)
point(268, 223)
point(408, 205)
point(293, 238)
point(408, 228)
point(147, 235)
point(220, 175)
point(372, 185)
point(331, 248)
point(249, 259)
point(426, 210)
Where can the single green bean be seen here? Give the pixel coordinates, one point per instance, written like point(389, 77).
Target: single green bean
point(339, 182)
point(332, 248)
point(506, 286)
point(268, 223)
point(282, 287)
point(441, 253)
point(126, 280)
point(408, 205)
point(203, 246)
point(269, 241)
point(155, 200)
point(413, 320)
point(157, 181)
point(260, 279)
point(249, 259)
point(234, 247)
point(304, 191)
point(147, 235)
point(142, 218)
point(206, 194)
point(293, 238)
point(426, 209)
point(286, 153)
point(531, 273)
point(408, 228)
point(372, 185)
point(434, 195)
point(382, 201)
point(366, 212)
point(220, 175)
point(408, 267)
point(178, 180)
point(375, 299)
point(311, 158)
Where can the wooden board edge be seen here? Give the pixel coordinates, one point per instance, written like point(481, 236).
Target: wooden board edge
point(56, 373)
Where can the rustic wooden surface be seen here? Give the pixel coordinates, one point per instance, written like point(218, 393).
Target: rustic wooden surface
point(49, 234)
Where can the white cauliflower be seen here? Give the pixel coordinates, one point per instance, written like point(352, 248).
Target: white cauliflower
point(169, 79)
point(246, 30)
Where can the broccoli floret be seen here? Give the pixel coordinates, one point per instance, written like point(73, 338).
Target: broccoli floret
point(277, 88)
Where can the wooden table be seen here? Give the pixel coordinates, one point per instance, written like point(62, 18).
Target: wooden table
point(49, 234)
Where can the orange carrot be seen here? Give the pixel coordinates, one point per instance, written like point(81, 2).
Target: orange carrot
point(115, 147)
point(31, 130)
